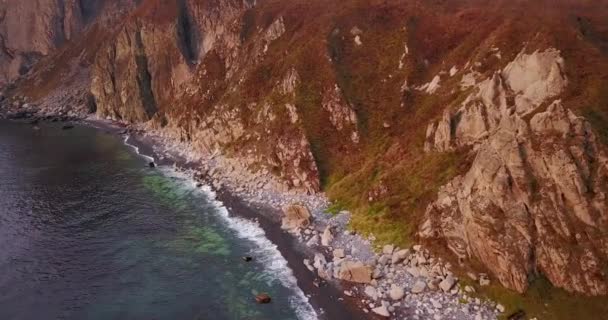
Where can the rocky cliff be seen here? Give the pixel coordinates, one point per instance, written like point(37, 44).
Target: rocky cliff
point(476, 124)
point(534, 198)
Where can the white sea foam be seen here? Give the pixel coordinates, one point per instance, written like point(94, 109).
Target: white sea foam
point(266, 252)
point(136, 148)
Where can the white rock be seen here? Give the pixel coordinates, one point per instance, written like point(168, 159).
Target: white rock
point(396, 292)
point(313, 241)
point(436, 304)
point(388, 249)
point(358, 40)
point(413, 271)
point(400, 255)
point(500, 308)
point(339, 253)
point(381, 311)
point(419, 287)
point(371, 292)
point(327, 237)
point(447, 283)
point(383, 260)
point(308, 265)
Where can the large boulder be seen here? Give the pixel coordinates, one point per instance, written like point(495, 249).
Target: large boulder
point(295, 217)
point(355, 271)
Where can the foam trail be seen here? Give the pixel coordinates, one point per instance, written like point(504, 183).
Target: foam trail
point(136, 148)
point(266, 252)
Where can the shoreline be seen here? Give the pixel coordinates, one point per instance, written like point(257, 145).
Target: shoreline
point(323, 298)
point(262, 205)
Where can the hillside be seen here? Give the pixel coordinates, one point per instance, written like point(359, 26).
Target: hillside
point(477, 127)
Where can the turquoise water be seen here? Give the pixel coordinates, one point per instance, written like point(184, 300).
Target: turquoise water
point(88, 231)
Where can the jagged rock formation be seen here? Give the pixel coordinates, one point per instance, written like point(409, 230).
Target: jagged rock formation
point(154, 60)
point(32, 29)
point(534, 199)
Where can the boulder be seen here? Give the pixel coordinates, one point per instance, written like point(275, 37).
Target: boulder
point(381, 311)
point(327, 237)
point(339, 253)
point(355, 271)
point(413, 271)
point(371, 292)
point(308, 265)
point(419, 287)
point(313, 241)
point(295, 217)
point(447, 283)
point(262, 298)
point(388, 249)
point(399, 256)
point(396, 292)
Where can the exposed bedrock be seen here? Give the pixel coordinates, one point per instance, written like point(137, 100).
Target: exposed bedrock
point(534, 200)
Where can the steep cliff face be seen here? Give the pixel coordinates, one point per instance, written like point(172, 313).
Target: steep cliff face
point(477, 123)
point(31, 29)
point(534, 199)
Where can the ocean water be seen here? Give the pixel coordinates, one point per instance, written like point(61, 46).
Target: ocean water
point(88, 231)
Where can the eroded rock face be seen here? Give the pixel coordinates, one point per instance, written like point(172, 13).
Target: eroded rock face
point(32, 29)
point(150, 68)
point(534, 199)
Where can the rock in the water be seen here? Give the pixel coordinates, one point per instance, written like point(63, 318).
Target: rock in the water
point(381, 311)
point(327, 237)
point(296, 217)
point(67, 127)
point(396, 292)
point(152, 165)
point(247, 258)
point(419, 287)
point(355, 272)
point(262, 298)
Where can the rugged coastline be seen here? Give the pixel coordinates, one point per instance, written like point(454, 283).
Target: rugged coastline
point(401, 282)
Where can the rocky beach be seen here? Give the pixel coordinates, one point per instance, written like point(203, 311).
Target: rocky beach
point(330, 262)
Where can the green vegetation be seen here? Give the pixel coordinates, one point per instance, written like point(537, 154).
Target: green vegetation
point(543, 301)
point(388, 199)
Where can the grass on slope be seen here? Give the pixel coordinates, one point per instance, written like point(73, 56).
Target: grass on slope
point(388, 199)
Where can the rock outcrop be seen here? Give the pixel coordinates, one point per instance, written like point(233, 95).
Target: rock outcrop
point(534, 200)
point(30, 30)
